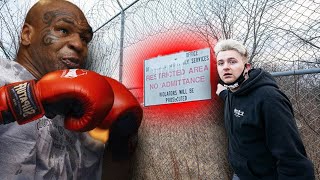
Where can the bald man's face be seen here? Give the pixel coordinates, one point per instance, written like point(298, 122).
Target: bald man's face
point(61, 39)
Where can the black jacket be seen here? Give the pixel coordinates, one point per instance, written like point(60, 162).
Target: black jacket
point(264, 141)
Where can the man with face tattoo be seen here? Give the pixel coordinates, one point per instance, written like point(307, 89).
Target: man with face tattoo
point(53, 49)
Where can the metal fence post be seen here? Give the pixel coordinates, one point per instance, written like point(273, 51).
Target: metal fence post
point(121, 43)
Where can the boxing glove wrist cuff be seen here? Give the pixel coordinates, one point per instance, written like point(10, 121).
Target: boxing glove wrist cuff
point(6, 117)
point(23, 102)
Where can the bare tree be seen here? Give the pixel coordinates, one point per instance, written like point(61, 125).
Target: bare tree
point(248, 21)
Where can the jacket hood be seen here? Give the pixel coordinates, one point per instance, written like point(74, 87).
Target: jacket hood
point(257, 78)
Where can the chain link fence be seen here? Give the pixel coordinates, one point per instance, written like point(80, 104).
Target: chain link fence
point(189, 142)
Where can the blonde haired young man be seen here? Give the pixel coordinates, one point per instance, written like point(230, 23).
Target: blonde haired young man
point(264, 141)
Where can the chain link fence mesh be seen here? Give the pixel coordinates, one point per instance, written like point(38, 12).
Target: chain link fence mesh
point(190, 143)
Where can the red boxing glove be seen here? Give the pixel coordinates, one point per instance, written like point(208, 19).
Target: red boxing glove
point(125, 105)
point(83, 96)
point(124, 120)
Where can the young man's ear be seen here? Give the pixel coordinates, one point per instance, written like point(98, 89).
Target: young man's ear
point(247, 66)
point(26, 34)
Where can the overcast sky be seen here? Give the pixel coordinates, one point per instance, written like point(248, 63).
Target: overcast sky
point(106, 9)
